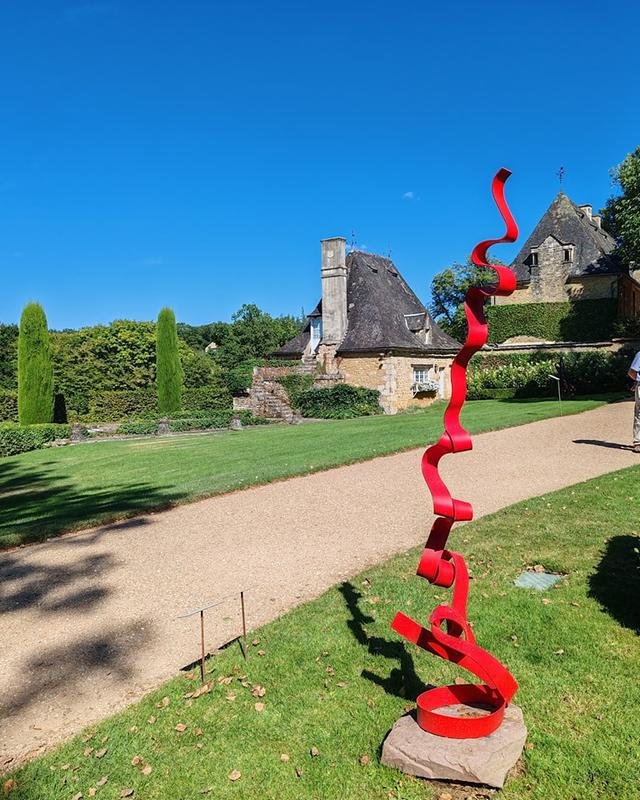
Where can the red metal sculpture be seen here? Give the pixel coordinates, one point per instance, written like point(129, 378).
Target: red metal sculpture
point(444, 567)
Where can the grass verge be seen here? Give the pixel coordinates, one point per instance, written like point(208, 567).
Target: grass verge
point(336, 678)
point(47, 492)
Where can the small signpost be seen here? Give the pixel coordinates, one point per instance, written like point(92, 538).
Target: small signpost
point(557, 379)
point(200, 611)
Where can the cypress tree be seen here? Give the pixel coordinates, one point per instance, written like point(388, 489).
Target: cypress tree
point(168, 367)
point(35, 371)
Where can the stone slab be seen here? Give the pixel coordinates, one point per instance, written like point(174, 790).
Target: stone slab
point(486, 760)
point(537, 580)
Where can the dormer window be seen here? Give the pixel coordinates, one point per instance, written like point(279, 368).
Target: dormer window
point(568, 255)
point(533, 258)
point(316, 332)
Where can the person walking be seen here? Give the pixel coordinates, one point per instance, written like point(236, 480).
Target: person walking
point(634, 374)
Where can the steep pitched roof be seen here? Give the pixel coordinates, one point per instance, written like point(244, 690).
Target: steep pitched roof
point(296, 346)
point(569, 224)
point(383, 313)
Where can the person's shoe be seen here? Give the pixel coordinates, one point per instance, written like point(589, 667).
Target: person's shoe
point(636, 448)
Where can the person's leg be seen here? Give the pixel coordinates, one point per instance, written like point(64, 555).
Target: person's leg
point(636, 421)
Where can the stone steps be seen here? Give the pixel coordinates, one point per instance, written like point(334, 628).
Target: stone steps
point(269, 399)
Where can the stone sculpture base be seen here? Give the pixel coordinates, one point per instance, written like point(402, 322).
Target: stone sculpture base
point(486, 760)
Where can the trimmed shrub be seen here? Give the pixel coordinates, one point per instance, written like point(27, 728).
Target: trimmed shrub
point(138, 427)
point(294, 385)
point(35, 372)
point(579, 321)
point(627, 327)
point(16, 439)
point(138, 403)
point(168, 368)
point(113, 406)
point(206, 398)
point(193, 423)
point(528, 374)
point(8, 406)
point(8, 356)
point(220, 420)
point(340, 402)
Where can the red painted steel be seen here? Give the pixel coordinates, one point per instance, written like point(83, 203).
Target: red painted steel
point(449, 635)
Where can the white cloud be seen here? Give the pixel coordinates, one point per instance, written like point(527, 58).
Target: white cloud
point(409, 196)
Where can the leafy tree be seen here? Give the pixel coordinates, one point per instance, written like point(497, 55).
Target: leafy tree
point(448, 290)
point(199, 336)
point(8, 356)
point(621, 215)
point(35, 372)
point(168, 367)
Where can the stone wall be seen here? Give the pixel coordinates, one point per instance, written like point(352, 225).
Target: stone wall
point(597, 287)
point(392, 376)
point(522, 295)
point(613, 346)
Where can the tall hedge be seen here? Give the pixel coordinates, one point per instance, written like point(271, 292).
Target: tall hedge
point(35, 372)
point(168, 367)
point(578, 321)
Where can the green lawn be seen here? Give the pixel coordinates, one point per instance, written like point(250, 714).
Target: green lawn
point(47, 492)
point(336, 677)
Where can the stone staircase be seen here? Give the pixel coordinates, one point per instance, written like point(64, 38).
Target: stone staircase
point(309, 364)
point(269, 399)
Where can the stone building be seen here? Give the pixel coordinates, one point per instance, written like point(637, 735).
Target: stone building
point(371, 330)
point(569, 256)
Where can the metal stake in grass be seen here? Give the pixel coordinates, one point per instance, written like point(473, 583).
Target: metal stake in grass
point(244, 627)
point(202, 644)
point(556, 378)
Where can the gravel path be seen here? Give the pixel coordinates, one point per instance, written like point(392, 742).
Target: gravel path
point(89, 622)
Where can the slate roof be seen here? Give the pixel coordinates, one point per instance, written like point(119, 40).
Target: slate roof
point(569, 224)
point(383, 313)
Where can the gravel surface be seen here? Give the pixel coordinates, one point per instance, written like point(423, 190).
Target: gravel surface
point(89, 622)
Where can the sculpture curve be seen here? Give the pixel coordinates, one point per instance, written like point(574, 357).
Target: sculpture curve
point(446, 568)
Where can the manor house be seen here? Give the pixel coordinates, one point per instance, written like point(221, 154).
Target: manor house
point(370, 329)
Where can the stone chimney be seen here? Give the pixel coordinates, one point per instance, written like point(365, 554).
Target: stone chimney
point(597, 219)
point(334, 290)
point(587, 209)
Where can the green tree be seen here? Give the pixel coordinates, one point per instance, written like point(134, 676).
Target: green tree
point(8, 356)
point(168, 367)
point(621, 215)
point(448, 290)
point(35, 372)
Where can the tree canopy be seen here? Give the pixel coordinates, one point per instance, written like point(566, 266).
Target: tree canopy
point(448, 290)
point(621, 215)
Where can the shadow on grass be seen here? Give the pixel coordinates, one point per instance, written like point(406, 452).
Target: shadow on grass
point(402, 680)
point(616, 582)
point(36, 503)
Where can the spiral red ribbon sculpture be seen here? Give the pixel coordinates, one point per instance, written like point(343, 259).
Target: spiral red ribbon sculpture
point(444, 567)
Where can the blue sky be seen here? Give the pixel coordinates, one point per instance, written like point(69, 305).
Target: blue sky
point(192, 154)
